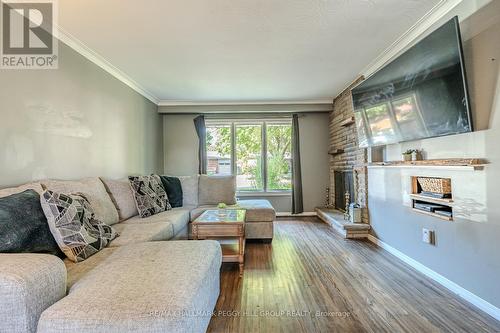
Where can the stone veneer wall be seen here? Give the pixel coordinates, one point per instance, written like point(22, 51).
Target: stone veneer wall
point(344, 137)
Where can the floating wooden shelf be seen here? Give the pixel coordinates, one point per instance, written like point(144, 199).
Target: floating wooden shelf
point(446, 202)
point(336, 151)
point(446, 218)
point(458, 163)
point(347, 122)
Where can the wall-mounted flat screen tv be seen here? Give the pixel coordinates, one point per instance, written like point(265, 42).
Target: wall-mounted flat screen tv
point(420, 94)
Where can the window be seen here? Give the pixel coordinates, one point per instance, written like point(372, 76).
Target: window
point(279, 157)
point(219, 150)
point(249, 158)
point(259, 153)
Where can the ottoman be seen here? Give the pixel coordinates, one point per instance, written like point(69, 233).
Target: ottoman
point(259, 221)
point(145, 287)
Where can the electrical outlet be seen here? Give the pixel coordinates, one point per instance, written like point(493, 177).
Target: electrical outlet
point(427, 236)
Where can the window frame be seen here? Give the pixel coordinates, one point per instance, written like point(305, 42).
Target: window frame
point(233, 123)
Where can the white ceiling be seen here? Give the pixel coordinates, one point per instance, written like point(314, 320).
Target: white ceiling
point(240, 50)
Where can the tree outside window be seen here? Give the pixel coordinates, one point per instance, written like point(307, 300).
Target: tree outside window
point(247, 152)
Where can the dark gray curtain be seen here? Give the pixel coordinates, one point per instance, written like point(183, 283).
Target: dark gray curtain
point(297, 200)
point(201, 130)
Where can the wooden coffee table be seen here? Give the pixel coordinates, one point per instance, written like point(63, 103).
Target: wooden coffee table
point(228, 229)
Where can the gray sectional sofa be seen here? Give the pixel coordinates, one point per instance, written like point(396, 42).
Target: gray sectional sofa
point(139, 283)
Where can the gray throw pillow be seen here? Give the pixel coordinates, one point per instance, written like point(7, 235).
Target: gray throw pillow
point(216, 189)
point(72, 222)
point(150, 196)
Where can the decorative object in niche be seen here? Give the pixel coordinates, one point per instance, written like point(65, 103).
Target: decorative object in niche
point(432, 196)
point(435, 185)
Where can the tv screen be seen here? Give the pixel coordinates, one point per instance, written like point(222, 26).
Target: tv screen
point(420, 94)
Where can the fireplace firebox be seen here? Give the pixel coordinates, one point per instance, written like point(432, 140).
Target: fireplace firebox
point(344, 184)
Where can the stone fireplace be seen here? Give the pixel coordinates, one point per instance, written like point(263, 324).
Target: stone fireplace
point(347, 161)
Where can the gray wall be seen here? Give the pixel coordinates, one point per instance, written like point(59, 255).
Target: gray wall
point(74, 122)
point(181, 155)
point(466, 250)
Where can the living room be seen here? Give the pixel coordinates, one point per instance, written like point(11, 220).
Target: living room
point(232, 166)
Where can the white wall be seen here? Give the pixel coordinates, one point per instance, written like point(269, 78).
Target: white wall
point(466, 250)
point(180, 144)
point(73, 122)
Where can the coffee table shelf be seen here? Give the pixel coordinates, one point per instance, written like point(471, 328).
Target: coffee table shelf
point(228, 229)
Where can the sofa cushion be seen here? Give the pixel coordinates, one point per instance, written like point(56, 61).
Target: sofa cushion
point(23, 225)
point(13, 190)
point(77, 270)
point(189, 186)
point(122, 196)
point(94, 191)
point(215, 189)
point(131, 233)
point(177, 217)
point(173, 188)
point(149, 194)
point(29, 284)
point(257, 210)
point(74, 226)
point(146, 287)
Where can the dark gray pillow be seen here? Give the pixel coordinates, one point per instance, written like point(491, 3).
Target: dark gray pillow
point(23, 226)
point(173, 188)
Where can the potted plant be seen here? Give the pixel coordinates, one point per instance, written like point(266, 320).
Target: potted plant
point(222, 209)
point(407, 155)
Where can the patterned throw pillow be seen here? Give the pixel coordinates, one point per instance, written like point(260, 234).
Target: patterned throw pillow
point(150, 196)
point(72, 222)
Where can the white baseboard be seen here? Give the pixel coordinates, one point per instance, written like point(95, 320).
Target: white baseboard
point(452, 286)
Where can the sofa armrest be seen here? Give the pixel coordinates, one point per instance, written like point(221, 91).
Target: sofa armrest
point(29, 284)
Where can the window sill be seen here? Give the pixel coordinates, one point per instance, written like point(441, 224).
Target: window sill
point(265, 194)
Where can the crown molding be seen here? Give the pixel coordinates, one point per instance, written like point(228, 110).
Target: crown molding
point(248, 108)
point(100, 61)
point(197, 103)
point(410, 35)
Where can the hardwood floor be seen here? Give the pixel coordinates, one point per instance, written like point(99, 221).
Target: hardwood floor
point(309, 279)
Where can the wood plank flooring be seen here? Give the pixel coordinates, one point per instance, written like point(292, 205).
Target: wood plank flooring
point(309, 279)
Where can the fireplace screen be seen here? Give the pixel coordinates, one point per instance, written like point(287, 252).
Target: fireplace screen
point(343, 184)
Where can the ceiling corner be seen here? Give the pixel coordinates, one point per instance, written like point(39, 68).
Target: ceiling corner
point(410, 35)
point(100, 61)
